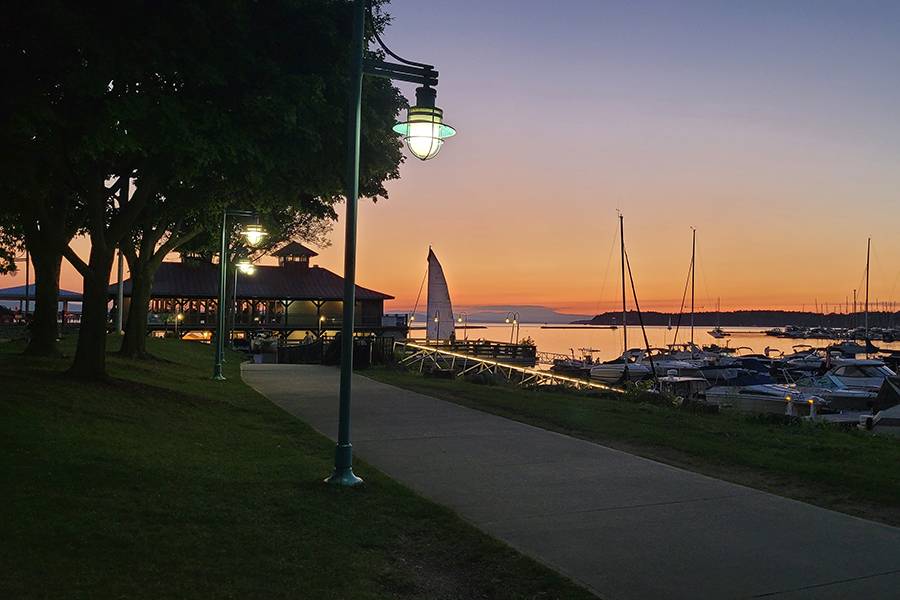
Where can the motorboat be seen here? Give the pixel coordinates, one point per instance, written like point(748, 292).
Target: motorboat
point(840, 397)
point(683, 389)
point(575, 367)
point(757, 393)
point(718, 333)
point(862, 374)
point(628, 367)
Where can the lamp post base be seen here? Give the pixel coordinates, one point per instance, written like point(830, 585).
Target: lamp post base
point(343, 467)
point(344, 478)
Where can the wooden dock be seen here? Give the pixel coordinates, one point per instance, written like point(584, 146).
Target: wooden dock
point(579, 326)
point(417, 356)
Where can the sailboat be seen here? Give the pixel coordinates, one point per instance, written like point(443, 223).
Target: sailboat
point(629, 365)
point(717, 331)
point(441, 324)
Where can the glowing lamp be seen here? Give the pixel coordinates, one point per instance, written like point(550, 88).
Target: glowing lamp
point(459, 319)
point(254, 234)
point(424, 129)
point(246, 267)
point(179, 317)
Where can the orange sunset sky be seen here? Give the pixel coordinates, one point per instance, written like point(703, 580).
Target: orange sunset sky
point(772, 130)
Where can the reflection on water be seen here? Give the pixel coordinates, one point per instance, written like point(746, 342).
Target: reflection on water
point(608, 343)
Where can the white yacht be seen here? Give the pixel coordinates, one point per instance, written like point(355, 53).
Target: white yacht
point(861, 374)
point(756, 393)
point(628, 367)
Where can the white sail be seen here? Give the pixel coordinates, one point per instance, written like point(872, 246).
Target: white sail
point(440, 311)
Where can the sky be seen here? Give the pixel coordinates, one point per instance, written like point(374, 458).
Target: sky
point(770, 127)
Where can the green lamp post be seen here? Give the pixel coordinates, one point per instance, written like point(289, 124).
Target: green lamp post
point(253, 234)
point(424, 132)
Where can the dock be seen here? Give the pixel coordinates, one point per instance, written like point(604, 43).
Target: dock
point(579, 326)
point(417, 356)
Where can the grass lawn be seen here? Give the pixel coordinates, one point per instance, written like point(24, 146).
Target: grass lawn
point(848, 471)
point(161, 483)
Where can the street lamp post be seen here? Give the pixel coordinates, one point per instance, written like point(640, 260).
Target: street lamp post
point(424, 132)
point(513, 319)
point(246, 267)
point(464, 319)
point(253, 234)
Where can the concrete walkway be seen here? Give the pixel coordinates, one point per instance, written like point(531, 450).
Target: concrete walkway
point(623, 526)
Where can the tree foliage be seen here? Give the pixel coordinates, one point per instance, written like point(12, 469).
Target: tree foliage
point(197, 106)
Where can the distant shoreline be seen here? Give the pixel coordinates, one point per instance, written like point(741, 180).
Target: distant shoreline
point(748, 318)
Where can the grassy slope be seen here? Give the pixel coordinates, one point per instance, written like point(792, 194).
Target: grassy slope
point(848, 471)
point(162, 483)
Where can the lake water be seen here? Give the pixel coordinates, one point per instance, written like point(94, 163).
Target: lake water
point(608, 343)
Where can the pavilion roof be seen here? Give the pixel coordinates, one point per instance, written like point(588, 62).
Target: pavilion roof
point(201, 280)
point(18, 293)
point(294, 249)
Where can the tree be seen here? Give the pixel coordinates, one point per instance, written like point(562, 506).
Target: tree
point(246, 97)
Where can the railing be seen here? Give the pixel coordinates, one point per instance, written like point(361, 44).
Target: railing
point(486, 349)
point(418, 355)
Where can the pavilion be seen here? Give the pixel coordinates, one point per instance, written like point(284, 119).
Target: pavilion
point(293, 298)
point(24, 296)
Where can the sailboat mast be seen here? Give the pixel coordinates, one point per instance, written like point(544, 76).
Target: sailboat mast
point(624, 313)
point(868, 249)
point(693, 258)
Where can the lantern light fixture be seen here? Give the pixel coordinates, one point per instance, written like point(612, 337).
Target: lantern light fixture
point(245, 266)
point(254, 233)
point(424, 129)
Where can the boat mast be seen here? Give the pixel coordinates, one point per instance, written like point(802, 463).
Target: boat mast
point(693, 258)
point(868, 249)
point(624, 313)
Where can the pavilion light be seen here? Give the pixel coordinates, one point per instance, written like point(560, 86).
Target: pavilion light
point(424, 129)
point(254, 234)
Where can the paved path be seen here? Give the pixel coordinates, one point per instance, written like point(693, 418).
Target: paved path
point(624, 526)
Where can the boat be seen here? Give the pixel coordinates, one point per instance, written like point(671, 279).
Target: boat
point(751, 392)
point(885, 417)
point(628, 367)
point(575, 367)
point(440, 325)
point(840, 397)
point(718, 333)
point(862, 374)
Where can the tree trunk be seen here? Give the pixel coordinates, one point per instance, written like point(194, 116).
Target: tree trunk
point(45, 239)
point(44, 327)
point(134, 343)
point(90, 354)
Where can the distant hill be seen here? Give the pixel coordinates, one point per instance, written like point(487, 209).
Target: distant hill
point(498, 313)
point(749, 318)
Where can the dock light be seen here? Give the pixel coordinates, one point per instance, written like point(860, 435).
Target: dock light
point(424, 129)
point(437, 320)
point(322, 319)
point(254, 234)
point(179, 317)
point(245, 266)
point(459, 319)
